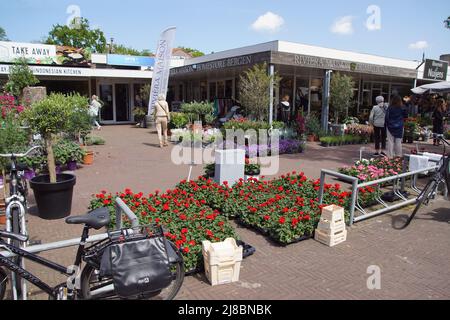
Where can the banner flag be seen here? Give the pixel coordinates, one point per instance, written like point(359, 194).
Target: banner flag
point(161, 69)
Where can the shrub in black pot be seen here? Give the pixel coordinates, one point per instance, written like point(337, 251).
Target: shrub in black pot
point(50, 117)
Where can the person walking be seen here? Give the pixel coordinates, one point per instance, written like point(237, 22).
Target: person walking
point(377, 119)
point(395, 117)
point(438, 120)
point(162, 119)
point(94, 110)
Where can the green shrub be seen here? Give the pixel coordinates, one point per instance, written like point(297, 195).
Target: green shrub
point(66, 151)
point(178, 120)
point(94, 141)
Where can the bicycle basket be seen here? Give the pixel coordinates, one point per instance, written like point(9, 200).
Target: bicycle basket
point(137, 262)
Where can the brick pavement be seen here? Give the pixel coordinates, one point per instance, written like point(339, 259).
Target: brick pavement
point(414, 263)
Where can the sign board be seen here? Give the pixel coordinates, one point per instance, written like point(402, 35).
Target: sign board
point(340, 65)
point(43, 54)
point(53, 71)
point(435, 70)
point(130, 61)
point(239, 61)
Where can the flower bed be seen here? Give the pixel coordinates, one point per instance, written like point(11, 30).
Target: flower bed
point(374, 169)
point(188, 219)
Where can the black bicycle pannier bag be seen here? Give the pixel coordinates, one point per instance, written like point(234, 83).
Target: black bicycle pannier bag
point(137, 267)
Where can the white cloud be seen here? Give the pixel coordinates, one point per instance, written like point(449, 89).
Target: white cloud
point(343, 25)
point(419, 45)
point(269, 21)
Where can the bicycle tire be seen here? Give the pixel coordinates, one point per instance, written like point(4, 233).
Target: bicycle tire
point(15, 215)
point(426, 191)
point(89, 280)
point(3, 283)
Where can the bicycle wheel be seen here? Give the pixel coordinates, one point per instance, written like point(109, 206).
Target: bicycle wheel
point(94, 288)
point(429, 188)
point(15, 215)
point(3, 283)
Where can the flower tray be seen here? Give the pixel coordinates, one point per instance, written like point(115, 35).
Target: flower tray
point(267, 233)
point(247, 252)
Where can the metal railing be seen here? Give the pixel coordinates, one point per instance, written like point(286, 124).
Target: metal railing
point(399, 182)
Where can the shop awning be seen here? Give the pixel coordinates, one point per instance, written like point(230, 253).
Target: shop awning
point(439, 87)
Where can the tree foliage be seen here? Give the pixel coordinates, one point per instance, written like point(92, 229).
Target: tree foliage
point(3, 36)
point(254, 91)
point(20, 76)
point(341, 93)
point(121, 49)
point(447, 23)
point(193, 52)
point(80, 36)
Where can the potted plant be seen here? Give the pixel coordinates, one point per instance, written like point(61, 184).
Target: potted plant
point(139, 116)
point(411, 130)
point(50, 117)
point(252, 170)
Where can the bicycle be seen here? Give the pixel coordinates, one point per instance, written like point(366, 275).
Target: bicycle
point(16, 209)
point(87, 285)
point(441, 176)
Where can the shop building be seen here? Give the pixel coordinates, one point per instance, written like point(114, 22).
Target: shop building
point(305, 72)
point(116, 79)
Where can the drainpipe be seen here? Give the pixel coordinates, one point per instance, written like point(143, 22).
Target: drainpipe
point(326, 100)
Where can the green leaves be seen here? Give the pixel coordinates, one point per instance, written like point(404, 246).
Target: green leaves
point(341, 93)
point(66, 151)
point(178, 120)
point(20, 76)
point(81, 37)
point(254, 91)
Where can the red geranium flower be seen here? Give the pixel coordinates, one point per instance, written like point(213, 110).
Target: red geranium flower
point(282, 220)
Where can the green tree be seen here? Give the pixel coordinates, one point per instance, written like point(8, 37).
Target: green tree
point(81, 36)
point(194, 52)
point(254, 90)
point(341, 93)
point(447, 23)
point(20, 76)
point(3, 36)
point(121, 49)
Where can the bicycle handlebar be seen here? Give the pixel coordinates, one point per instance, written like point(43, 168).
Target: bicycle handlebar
point(19, 155)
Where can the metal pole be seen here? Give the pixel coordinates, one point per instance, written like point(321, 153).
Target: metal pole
point(322, 186)
point(353, 201)
point(326, 100)
point(271, 88)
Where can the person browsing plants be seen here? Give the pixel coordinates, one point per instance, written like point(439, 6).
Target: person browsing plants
point(377, 120)
point(162, 118)
point(395, 116)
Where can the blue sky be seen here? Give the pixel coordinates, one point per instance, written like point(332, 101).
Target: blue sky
point(407, 28)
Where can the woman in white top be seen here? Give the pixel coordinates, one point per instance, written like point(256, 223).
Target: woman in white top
point(94, 109)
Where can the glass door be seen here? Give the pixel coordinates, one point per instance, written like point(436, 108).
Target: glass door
point(122, 103)
point(106, 96)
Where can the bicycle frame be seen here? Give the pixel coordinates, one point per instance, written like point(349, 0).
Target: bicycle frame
point(10, 265)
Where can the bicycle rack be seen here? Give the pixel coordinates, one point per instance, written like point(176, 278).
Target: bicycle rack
point(121, 208)
point(399, 182)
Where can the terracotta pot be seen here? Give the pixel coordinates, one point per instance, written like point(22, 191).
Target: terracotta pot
point(88, 158)
point(2, 219)
point(311, 138)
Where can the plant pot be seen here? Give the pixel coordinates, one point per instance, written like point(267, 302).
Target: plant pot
point(88, 158)
point(54, 200)
point(72, 165)
point(58, 169)
point(2, 219)
point(311, 138)
point(29, 174)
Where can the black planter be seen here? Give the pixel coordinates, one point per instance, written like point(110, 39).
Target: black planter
point(54, 200)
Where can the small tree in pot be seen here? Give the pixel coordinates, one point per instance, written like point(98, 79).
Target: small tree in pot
point(50, 117)
point(341, 94)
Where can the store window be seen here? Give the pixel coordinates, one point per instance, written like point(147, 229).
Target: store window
point(316, 90)
point(302, 95)
point(212, 91)
point(203, 91)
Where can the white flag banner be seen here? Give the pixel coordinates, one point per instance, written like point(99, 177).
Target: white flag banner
point(161, 69)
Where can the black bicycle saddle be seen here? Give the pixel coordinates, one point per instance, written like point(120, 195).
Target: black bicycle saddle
point(96, 219)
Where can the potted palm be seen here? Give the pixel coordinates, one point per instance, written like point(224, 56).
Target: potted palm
point(50, 117)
